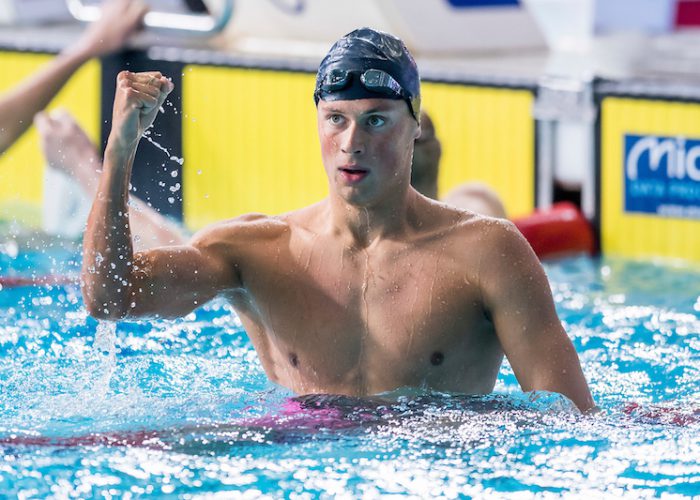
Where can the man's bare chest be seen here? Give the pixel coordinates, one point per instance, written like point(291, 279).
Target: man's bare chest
point(403, 313)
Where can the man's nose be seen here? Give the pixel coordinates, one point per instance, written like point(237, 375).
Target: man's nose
point(353, 140)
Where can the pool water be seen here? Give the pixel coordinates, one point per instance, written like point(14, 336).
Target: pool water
point(183, 408)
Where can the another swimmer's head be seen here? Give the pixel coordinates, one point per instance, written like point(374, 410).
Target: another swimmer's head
point(369, 64)
point(426, 158)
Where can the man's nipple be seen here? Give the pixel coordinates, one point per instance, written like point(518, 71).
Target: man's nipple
point(293, 359)
point(437, 358)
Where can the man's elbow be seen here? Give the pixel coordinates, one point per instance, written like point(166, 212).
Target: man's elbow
point(103, 307)
point(104, 311)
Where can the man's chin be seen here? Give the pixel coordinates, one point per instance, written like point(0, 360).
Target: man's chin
point(357, 196)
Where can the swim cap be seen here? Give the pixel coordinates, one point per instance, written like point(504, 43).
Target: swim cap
point(366, 64)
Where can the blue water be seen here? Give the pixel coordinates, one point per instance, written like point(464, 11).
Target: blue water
point(71, 384)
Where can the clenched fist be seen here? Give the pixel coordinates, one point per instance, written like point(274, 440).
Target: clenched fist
point(138, 99)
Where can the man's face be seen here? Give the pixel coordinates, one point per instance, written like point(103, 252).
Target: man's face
point(366, 145)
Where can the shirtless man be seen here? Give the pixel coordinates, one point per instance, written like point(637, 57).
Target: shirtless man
point(375, 287)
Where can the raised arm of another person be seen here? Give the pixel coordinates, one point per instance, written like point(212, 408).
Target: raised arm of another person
point(518, 297)
point(68, 149)
point(120, 18)
point(165, 281)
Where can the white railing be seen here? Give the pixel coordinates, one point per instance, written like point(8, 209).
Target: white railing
point(194, 23)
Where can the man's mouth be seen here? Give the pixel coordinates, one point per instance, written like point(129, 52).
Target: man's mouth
point(353, 174)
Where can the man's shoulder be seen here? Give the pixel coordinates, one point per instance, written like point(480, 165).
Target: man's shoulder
point(497, 241)
point(479, 232)
point(244, 229)
point(491, 232)
point(465, 222)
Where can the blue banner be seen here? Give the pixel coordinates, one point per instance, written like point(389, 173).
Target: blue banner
point(662, 176)
point(482, 3)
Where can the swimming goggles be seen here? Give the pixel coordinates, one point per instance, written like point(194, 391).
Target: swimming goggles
point(374, 80)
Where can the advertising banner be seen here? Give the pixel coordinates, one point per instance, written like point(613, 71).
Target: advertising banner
point(662, 175)
point(649, 178)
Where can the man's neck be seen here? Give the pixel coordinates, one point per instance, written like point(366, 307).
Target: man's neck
point(363, 225)
point(427, 187)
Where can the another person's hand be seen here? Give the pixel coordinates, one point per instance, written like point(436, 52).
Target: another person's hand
point(67, 147)
point(119, 20)
point(138, 99)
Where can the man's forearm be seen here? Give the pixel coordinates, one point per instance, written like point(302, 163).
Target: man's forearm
point(107, 246)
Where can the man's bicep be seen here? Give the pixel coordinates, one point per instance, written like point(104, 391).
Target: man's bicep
point(516, 292)
point(519, 298)
point(173, 281)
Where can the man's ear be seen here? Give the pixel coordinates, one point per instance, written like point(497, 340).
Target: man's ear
point(418, 132)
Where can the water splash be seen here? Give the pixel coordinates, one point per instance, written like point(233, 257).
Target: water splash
point(148, 135)
point(105, 348)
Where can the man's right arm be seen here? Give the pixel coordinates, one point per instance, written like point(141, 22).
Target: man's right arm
point(167, 281)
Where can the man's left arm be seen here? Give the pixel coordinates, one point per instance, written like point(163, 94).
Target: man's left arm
point(518, 297)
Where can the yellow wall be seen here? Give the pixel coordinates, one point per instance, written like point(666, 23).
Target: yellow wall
point(635, 234)
point(250, 142)
point(487, 134)
point(22, 165)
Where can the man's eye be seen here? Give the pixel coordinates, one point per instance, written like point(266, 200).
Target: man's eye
point(335, 119)
point(376, 121)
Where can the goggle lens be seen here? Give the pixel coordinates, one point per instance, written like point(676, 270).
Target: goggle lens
point(374, 80)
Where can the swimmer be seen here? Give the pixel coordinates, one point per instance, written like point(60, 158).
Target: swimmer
point(558, 231)
point(475, 196)
point(375, 287)
point(68, 149)
point(120, 18)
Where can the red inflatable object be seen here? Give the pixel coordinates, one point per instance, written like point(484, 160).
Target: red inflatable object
point(557, 232)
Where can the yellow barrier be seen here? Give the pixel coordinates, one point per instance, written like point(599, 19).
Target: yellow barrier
point(22, 165)
point(250, 143)
point(625, 228)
